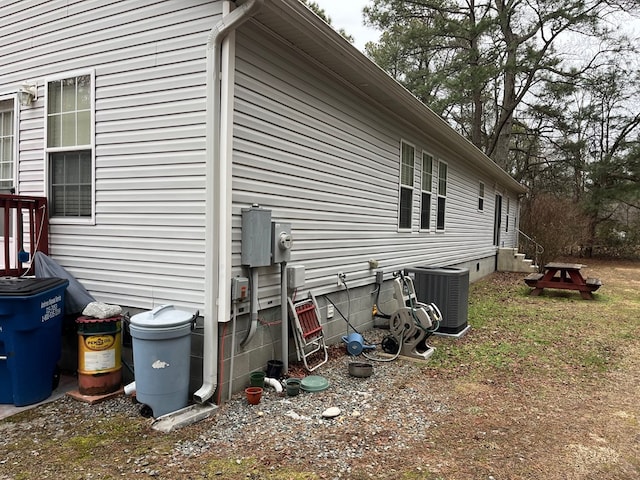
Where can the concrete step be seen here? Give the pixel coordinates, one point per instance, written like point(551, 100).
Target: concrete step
point(510, 260)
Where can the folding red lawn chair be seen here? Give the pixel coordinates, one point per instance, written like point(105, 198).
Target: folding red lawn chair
point(308, 334)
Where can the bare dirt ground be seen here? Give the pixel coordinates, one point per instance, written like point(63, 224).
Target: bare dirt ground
point(571, 418)
point(540, 388)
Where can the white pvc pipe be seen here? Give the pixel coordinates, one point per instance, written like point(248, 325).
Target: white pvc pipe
point(272, 382)
point(218, 196)
point(130, 388)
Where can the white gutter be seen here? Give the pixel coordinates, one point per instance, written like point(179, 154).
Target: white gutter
point(217, 260)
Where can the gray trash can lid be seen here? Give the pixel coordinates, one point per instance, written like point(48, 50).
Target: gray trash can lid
point(164, 316)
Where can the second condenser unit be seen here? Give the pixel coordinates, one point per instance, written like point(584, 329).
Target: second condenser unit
point(448, 288)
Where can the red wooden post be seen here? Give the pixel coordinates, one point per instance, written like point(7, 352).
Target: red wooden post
point(13, 206)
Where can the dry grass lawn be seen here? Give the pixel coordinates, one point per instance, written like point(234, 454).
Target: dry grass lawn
point(546, 387)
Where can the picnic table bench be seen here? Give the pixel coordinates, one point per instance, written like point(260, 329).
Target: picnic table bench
point(565, 276)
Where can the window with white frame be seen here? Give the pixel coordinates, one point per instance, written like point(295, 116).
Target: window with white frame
point(506, 220)
point(7, 143)
point(70, 146)
point(426, 185)
point(481, 197)
point(442, 195)
point(407, 167)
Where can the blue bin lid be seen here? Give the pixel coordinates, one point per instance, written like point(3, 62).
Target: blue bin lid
point(27, 286)
point(164, 316)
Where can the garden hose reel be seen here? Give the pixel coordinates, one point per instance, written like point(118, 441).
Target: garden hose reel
point(412, 323)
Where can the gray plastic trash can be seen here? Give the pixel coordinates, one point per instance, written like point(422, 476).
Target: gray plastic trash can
point(161, 358)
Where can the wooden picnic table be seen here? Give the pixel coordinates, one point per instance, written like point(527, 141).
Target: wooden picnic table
point(565, 276)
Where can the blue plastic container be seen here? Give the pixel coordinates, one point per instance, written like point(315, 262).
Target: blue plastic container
point(31, 312)
point(162, 358)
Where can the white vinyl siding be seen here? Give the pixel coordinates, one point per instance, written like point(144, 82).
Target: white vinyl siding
point(145, 246)
point(329, 163)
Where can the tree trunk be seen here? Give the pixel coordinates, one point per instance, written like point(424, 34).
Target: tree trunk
point(501, 141)
point(477, 88)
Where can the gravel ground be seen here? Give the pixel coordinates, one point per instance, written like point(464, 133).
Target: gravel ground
point(380, 417)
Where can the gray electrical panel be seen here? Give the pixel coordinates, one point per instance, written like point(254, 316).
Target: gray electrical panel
point(281, 242)
point(256, 237)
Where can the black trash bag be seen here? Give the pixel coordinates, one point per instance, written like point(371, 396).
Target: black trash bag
point(76, 297)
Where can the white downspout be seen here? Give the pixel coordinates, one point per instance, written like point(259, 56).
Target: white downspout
point(218, 194)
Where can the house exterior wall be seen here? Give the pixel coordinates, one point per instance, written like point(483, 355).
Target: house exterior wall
point(309, 147)
point(306, 146)
point(326, 161)
point(146, 244)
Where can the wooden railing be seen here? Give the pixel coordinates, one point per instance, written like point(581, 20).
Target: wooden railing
point(25, 223)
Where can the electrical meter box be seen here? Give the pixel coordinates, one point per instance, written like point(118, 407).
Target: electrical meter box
point(256, 237)
point(281, 242)
point(295, 277)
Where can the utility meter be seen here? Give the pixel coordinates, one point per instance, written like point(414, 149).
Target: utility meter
point(281, 242)
point(284, 241)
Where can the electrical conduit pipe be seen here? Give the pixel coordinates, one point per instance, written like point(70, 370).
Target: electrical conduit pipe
point(284, 313)
point(219, 123)
point(253, 324)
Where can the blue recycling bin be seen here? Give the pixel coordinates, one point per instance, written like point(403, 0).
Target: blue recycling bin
point(31, 312)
